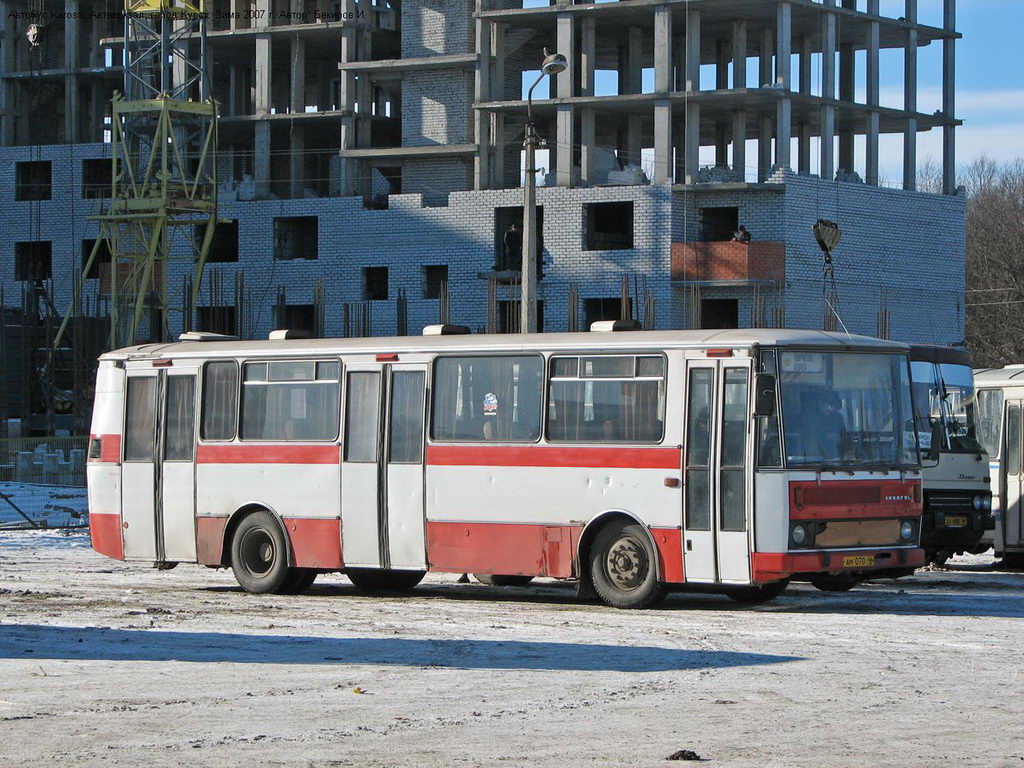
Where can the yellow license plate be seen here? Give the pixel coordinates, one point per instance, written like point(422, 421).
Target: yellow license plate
point(858, 561)
point(956, 521)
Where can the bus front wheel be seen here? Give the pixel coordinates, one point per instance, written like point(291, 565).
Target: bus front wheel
point(622, 567)
point(259, 554)
point(759, 593)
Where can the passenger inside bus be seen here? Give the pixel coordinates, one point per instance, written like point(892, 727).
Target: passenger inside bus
point(826, 434)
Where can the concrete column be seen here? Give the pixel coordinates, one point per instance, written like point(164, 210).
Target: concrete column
point(691, 80)
point(764, 148)
point(588, 140)
point(691, 162)
point(803, 130)
point(871, 145)
point(634, 61)
point(237, 8)
point(766, 73)
point(828, 93)
point(847, 80)
point(71, 62)
point(722, 53)
point(261, 75)
point(481, 93)
point(663, 171)
point(949, 99)
point(739, 142)
point(783, 79)
point(739, 54)
point(564, 117)
point(348, 168)
point(663, 142)
point(588, 55)
point(910, 99)
point(663, 49)
point(497, 80)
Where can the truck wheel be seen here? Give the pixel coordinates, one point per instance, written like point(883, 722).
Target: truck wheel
point(622, 567)
point(498, 580)
point(259, 553)
point(380, 580)
point(759, 593)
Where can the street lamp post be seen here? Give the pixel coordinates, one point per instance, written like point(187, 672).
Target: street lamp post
point(553, 64)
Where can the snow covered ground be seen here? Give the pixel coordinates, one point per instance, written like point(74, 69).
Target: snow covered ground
point(114, 664)
point(49, 505)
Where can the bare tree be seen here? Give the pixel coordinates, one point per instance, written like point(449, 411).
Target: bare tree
point(995, 261)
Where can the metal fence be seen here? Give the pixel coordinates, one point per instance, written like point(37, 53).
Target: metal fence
point(42, 482)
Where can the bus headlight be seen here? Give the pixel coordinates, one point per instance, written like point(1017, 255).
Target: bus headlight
point(976, 501)
point(798, 534)
point(906, 530)
point(986, 503)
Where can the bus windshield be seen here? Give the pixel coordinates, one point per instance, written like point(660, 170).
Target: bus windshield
point(843, 409)
point(944, 407)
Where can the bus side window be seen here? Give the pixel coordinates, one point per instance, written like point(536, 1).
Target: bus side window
point(1013, 440)
point(362, 416)
point(140, 419)
point(220, 400)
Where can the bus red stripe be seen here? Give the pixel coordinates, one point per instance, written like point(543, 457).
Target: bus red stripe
point(105, 533)
point(268, 454)
point(552, 456)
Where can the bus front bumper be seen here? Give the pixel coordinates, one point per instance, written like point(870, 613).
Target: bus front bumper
point(773, 566)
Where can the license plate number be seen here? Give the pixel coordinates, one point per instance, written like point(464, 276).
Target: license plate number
point(858, 561)
point(956, 521)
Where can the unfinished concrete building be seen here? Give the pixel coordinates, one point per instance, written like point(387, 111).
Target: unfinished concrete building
point(370, 161)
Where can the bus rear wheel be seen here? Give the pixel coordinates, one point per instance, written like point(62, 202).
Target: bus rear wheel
point(379, 580)
point(502, 580)
point(259, 554)
point(298, 581)
point(759, 593)
point(622, 567)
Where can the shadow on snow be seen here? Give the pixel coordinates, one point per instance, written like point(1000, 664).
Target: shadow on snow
point(32, 641)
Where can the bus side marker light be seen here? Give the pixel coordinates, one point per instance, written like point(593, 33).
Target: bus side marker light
point(124, 524)
point(671, 482)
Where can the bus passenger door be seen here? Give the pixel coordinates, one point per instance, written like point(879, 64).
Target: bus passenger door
point(699, 557)
point(138, 467)
point(734, 476)
point(1013, 490)
point(716, 472)
point(177, 480)
point(382, 493)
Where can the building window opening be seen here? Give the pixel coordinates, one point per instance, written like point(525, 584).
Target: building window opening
point(375, 283)
point(32, 180)
point(295, 237)
point(218, 319)
point(719, 224)
point(32, 260)
point(720, 313)
point(97, 178)
point(300, 318)
point(434, 277)
point(609, 226)
point(596, 310)
point(102, 258)
point(224, 246)
point(508, 239)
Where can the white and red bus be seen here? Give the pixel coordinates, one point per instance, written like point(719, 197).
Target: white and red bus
point(631, 461)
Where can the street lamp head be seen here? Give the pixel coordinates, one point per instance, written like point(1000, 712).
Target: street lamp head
point(553, 63)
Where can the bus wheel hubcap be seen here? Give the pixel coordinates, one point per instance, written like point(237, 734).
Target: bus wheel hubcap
point(627, 564)
point(258, 552)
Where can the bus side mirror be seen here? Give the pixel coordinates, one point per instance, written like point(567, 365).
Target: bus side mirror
point(764, 395)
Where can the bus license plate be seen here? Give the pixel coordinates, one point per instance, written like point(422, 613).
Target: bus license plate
point(858, 561)
point(956, 521)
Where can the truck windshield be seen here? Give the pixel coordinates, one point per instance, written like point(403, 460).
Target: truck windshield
point(843, 409)
point(944, 407)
